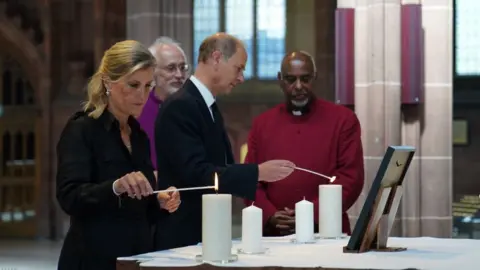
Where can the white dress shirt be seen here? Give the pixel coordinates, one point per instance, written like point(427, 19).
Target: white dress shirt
point(206, 94)
point(207, 97)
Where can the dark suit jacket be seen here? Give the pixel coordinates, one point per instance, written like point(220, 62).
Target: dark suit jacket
point(190, 149)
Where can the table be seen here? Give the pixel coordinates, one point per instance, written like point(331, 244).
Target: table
point(423, 253)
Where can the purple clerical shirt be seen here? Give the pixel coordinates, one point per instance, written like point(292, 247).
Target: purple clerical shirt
point(147, 122)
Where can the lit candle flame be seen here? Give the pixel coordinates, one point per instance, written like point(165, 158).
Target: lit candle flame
point(216, 182)
point(333, 179)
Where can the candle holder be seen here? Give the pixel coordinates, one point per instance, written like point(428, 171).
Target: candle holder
point(341, 236)
point(233, 258)
point(295, 241)
point(262, 251)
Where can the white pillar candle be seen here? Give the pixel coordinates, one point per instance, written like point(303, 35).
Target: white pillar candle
point(216, 227)
point(252, 229)
point(330, 211)
point(304, 221)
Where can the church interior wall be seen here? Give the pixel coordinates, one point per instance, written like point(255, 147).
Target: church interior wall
point(466, 153)
point(81, 30)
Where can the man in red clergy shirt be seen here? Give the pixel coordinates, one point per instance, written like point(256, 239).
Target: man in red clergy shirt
point(314, 134)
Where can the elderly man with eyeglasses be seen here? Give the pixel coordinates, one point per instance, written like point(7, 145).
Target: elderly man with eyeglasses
point(170, 74)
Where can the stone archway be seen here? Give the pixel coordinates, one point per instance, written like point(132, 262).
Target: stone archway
point(19, 44)
point(21, 24)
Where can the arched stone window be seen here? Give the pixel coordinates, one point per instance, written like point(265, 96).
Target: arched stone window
point(29, 94)
point(7, 87)
point(467, 38)
point(7, 151)
point(260, 24)
point(19, 92)
point(31, 146)
point(18, 149)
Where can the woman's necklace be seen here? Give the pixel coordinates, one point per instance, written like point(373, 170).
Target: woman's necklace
point(126, 139)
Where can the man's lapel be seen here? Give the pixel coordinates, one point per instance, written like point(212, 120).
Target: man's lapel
point(204, 109)
point(228, 146)
point(229, 153)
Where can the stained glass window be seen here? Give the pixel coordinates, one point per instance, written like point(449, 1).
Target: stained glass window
point(271, 28)
point(206, 21)
point(260, 24)
point(239, 22)
point(467, 37)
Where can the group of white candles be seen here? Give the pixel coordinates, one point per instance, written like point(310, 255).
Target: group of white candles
point(330, 219)
point(217, 222)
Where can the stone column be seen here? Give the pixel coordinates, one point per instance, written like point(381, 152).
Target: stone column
point(325, 48)
point(436, 120)
point(411, 134)
point(426, 206)
point(46, 209)
point(150, 19)
point(301, 26)
point(109, 25)
point(377, 82)
point(427, 200)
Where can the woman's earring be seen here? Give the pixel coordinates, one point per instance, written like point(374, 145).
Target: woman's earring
point(108, 92)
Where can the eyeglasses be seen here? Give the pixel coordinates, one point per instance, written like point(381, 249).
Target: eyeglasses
point(183, 68)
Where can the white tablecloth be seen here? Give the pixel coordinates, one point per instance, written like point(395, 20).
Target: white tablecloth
point(422, 253)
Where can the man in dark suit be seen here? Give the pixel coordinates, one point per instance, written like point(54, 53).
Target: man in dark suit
point(192, 145)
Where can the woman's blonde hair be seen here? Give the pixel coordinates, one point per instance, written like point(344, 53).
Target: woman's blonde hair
point(122, 59)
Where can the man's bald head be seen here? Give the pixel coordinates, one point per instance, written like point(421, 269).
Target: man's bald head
point(296, 76)
point(227, 44)
point(296, 58)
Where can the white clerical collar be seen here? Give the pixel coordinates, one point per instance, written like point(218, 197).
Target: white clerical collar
point(206, 94)
point(297, 113)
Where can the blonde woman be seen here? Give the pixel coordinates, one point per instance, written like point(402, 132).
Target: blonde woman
point(105, 175)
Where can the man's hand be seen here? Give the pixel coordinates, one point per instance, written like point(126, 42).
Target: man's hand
point(283, 221)
point(169, 201)
point(274, 170)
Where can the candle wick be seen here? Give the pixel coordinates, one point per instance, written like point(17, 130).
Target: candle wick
point(253, 203)
point(304, 198)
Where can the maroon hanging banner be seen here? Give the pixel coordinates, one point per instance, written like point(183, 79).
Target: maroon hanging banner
point(345, 56)
point(412, 58)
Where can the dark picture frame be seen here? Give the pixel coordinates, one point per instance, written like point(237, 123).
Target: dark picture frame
point(375, 222)
point(460, 132)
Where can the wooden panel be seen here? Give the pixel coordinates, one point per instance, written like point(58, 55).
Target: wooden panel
point(17, 207)
point(17, 160)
